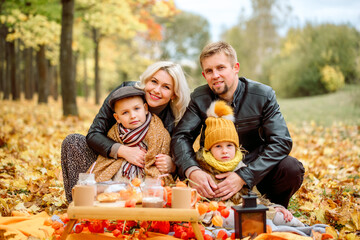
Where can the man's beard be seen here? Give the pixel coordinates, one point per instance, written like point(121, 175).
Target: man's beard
point(219, 92)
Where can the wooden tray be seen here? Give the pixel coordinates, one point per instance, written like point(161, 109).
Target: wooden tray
point(137, 213)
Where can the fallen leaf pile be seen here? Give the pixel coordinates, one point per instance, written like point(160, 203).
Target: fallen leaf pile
point(31, 181)
point(30, 144)
point(330, 192)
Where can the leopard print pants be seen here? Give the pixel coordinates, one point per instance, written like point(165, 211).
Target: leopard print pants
point(76, 157)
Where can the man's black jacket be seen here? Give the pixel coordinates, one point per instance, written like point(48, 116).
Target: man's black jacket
point(260, 125)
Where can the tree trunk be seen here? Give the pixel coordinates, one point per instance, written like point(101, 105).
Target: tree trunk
point(56, 82)
point(97, 70)
point(75, 59)
point(7, 85)
point(28, 76)
point(68, 86)
point(18, 72)
point(35, 75)
point(86, 87)
point(3, 33)
point(12, 73)
point(50, 78)
point(43, 81)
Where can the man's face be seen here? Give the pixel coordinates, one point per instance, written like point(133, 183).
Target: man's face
point(221, 75)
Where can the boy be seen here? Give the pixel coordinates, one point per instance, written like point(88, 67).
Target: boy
point(135, 127)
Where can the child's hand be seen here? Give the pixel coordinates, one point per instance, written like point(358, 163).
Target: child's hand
point(164, 163)
point(287, 214)
point(133, 155)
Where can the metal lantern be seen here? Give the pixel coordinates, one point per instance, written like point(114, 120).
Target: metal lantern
point(250, 218)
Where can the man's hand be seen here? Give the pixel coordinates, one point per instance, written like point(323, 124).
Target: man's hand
point(204, 183)
point(134, 155)
point(231, 184)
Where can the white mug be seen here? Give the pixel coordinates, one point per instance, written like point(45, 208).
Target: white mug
point(83, 195)
point(181, 197)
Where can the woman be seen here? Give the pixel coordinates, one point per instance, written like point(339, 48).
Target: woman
point(167, 95)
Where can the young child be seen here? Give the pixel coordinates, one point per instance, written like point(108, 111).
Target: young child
point(135, 127)
point(222, 153)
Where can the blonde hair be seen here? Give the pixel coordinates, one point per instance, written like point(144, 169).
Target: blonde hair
point(218, 47)
point(181, 89)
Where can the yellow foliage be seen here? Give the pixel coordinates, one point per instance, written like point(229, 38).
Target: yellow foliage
point(332, 78)
point(161, 9)
point(288, 48)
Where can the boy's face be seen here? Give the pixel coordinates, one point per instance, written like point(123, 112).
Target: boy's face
point(223, 151)
point(130, 112)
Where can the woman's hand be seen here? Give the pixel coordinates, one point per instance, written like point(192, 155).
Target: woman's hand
point(164, 163)
point(134, 155)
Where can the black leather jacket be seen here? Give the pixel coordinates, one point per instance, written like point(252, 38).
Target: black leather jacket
point(260, 125)
point(97, 136)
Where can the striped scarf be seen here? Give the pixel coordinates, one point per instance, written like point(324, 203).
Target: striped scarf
point(132, 138)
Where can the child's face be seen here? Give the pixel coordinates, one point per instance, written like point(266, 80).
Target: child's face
point(223, 151)
point(130, 112)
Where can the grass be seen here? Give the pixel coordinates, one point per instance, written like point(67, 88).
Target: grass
point(339, 107)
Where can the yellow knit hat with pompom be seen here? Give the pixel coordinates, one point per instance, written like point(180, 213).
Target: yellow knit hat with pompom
point(220, 125)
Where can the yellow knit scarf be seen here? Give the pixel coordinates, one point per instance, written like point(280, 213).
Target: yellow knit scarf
point(223, 166)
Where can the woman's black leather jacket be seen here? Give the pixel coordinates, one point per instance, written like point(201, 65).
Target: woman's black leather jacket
point(260, 125)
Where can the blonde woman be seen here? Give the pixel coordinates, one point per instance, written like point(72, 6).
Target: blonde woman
point(167, 95)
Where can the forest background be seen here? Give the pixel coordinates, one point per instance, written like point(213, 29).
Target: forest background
point(58, 60)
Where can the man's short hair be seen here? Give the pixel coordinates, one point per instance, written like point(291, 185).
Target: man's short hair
point(217, 47)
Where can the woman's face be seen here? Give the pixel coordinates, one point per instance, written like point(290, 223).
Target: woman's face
point(159, 89)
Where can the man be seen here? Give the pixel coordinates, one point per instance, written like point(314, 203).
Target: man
point(260, 125)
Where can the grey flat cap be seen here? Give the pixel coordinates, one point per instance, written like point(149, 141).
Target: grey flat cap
point(124, 92)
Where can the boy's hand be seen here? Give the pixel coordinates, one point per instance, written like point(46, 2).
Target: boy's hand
point(231, 184)
point(134, 155)
point(164, 163)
